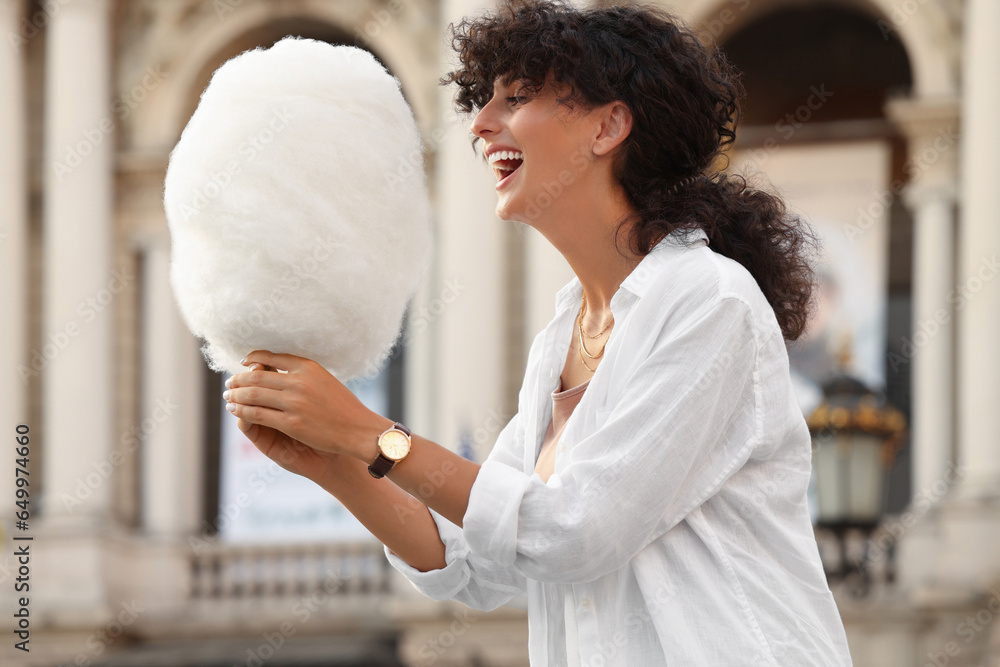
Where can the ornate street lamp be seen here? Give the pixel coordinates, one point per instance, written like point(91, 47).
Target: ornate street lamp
point(855, 437)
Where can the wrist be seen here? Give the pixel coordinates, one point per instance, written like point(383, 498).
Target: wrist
point(365, 445)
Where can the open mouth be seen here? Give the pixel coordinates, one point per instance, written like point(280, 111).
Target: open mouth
point(505, 163)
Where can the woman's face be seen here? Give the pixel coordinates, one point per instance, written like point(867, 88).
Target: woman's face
point(549, 144)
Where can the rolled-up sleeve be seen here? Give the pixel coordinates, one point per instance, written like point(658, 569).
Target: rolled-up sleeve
point(685, 422)
point(477, 581)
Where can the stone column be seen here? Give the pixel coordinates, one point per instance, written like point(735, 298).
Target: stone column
point(969, 522)
point(470, 257)
point(978, 299)
point(80, 283)
point(81, 287)
point(931, 127)
point(13, 252)
point(171, 406)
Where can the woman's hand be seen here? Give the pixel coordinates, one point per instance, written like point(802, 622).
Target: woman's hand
point(304, 407)
point(291, 454)
point(312, 425)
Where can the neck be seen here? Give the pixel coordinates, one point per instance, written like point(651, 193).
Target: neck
point(583, 230)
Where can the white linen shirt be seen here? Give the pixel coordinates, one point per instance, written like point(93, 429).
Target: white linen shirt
point(674, 529)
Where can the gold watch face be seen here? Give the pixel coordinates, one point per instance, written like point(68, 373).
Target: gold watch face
point(394, 444)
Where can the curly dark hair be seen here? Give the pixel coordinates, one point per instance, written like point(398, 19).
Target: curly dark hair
point(685, 104)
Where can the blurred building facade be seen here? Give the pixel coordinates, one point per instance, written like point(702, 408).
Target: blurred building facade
point(873, 117)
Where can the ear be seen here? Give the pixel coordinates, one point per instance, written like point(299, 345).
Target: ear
point(614, 125)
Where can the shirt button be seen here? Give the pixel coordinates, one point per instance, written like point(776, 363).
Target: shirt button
point(586, 603)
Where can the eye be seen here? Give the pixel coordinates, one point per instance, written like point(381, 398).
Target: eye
point(517, 99)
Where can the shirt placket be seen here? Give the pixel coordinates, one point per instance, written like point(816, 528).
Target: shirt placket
point(572, 632)
point(586, 625)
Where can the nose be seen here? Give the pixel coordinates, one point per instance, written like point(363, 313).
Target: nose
point(486, 121)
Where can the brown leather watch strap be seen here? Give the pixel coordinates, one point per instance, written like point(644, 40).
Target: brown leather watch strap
point(381, 466)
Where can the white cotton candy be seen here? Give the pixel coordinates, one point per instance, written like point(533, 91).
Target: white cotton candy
point(298, 209)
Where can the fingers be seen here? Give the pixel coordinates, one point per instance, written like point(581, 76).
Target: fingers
point(264, 397)
point(259, 378)
point(259, 366)
point(249, 430)
point(284, 362)
point(257, 415)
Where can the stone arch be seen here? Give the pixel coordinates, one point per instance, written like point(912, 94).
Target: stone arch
point(924, 27)
point(206, 38)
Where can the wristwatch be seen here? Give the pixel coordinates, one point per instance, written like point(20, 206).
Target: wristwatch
point(393, 446)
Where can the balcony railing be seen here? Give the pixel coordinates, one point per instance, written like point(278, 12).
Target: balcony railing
point(222, 571)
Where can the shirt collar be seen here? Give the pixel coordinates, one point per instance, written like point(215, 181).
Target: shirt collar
point(638, 280)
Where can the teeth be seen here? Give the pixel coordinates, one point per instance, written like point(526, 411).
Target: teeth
point(505, 155)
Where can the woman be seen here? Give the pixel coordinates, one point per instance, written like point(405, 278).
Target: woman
point(666, 521)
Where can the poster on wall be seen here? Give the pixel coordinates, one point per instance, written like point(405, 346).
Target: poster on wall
point(843, 191)
point(261, 502)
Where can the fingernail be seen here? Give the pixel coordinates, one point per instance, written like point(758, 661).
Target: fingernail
point(225, 395)
point(243, 361)
point(229, 382)
point(231, 407)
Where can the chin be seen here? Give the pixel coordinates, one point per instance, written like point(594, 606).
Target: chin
point(508, 213)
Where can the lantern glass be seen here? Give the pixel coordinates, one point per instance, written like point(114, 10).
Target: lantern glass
point(827, 467)
point(849, 477)
point(866, 477)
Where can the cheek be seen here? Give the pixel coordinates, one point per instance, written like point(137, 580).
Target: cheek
point(550, 146)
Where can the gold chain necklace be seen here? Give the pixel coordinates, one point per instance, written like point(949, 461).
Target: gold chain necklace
point(586, 366)
point(583, 348)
